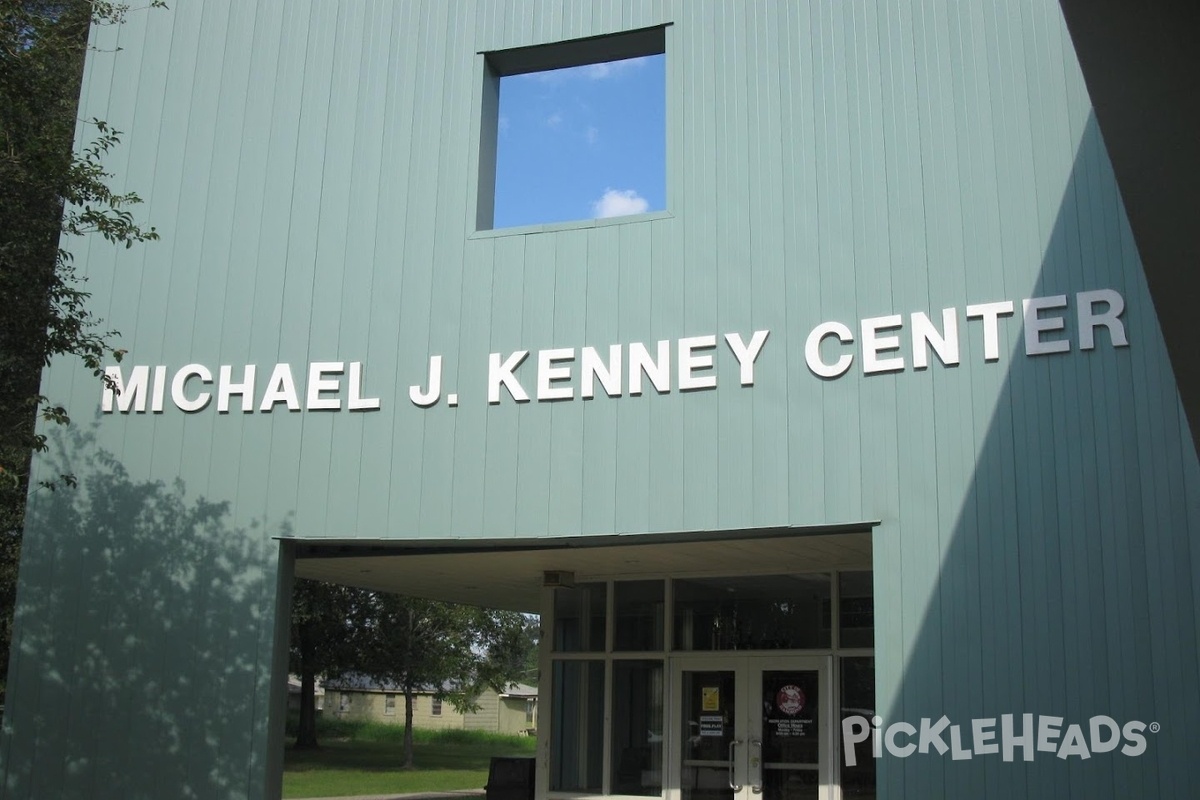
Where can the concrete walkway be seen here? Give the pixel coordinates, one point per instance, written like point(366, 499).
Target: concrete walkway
point(459, 795)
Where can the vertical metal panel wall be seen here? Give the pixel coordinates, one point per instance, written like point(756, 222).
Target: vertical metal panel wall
point(312, 169)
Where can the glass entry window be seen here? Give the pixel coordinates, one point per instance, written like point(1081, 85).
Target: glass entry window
point(706, 687)
point(752, 727)
point(708, 733)
point(790, 733)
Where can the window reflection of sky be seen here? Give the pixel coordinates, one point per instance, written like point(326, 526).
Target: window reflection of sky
point(581, 143)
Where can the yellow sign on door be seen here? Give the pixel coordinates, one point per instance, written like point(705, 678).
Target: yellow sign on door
point(710, 698)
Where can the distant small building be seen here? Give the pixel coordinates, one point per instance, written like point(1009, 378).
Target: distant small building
point(294, 694)
point(355, 697)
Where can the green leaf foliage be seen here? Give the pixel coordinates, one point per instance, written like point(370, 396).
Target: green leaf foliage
point(410, 643)
point(323, 642)
point(50, 195)
point(455, 650)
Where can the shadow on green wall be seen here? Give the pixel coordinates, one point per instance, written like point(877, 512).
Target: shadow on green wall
point(146, 618)
point(1066, 583)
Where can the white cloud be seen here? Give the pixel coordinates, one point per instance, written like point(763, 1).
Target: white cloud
point(612, 69)
point(591, 72)
point(592, 134)
point(552, 77)
point(503, 124)
point(598, 72)
point(619, 203)
point(554, 120)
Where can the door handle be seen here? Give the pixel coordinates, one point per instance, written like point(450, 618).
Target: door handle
point(757, 762)
point(733, 746)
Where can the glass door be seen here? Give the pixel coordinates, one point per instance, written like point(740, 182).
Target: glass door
point(791, 727)
point(752, 728)
point(708, 731)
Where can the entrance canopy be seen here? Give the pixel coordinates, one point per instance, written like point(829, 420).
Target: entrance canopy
point(508, 573)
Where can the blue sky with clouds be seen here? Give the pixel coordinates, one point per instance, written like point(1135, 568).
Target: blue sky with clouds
point(582, 143)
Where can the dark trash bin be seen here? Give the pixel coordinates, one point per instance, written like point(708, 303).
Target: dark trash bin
point(510, 778)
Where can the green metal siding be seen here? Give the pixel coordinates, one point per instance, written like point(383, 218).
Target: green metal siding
point(312, 169)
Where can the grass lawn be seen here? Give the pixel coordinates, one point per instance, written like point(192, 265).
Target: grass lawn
point(365, 758)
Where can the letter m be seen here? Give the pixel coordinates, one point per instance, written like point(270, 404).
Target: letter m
point(129, 395)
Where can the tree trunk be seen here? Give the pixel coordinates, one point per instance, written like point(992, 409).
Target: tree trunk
point(306, 731)
point(408, 725)
point(408, 694)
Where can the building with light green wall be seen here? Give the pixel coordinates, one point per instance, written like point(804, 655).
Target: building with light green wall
point(908, 444)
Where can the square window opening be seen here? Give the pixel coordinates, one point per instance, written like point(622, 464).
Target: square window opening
point(574, 131)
